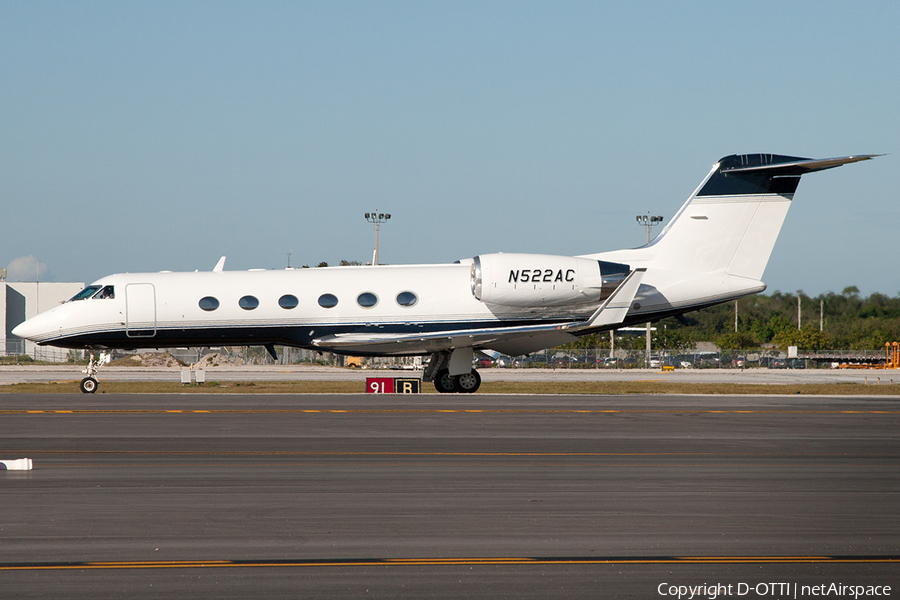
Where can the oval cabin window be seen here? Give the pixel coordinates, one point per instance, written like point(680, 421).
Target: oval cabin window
point(248, 302)
point(209, 303)
point(328, 300)
point(406, 299)
point(367, 299)
point(288, 301)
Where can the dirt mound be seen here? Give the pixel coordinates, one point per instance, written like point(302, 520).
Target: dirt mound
point(147, 359)
point(214, 359)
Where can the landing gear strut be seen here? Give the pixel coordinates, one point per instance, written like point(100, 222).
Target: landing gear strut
point(89, 384)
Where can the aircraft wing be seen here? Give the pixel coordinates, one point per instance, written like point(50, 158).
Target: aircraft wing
point(509, 340)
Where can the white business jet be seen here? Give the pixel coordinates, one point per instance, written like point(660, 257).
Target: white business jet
point(714, 250)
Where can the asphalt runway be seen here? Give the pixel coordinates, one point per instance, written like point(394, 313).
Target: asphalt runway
point(430, 496)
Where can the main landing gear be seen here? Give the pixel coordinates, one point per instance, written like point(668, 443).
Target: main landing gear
point(439, 368)
point(89, 384)
point(466, 383)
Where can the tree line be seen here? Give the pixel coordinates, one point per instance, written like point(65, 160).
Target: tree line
point(848, 322)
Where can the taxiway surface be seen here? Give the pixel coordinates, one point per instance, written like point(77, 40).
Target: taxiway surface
point(301, 496)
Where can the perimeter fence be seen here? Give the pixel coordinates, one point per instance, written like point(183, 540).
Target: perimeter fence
point(15, 352)
point(588, 358)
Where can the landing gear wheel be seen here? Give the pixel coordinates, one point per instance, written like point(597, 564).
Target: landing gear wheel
point(467, 383)
point(444, 382)
point(88, 385)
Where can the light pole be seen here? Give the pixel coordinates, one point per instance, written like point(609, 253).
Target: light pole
point(377, 218)
point(648, 222)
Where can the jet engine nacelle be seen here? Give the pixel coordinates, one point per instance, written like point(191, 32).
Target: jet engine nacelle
point(535, 280)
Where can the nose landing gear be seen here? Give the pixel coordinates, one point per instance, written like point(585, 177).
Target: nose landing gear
point(89, 384)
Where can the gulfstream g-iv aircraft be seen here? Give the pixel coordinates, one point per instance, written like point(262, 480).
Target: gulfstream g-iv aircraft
point(714, 250)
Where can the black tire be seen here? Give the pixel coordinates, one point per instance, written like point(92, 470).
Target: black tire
point(467, 383)
point(444, 382)
point(88, 385)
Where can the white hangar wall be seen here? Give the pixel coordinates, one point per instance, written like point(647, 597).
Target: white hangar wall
point(20, 300)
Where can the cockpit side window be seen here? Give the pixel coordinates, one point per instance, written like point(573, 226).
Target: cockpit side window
point(85, 293)
point(107, 292)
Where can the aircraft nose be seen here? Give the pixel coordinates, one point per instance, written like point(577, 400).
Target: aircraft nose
point(32, 329)
point(24, 330)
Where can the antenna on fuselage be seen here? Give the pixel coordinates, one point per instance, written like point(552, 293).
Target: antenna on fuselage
point(220, 266)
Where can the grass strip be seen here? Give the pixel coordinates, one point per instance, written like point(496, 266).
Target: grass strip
point(500, 387)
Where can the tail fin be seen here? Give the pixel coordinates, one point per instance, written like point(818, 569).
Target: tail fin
point(730, 223)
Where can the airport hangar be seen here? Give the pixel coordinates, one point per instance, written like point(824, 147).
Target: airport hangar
point(20, 300)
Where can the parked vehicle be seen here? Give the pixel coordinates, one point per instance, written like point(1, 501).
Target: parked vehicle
point(562, 362)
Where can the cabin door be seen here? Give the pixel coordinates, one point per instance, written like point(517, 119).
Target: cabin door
point(140, 310)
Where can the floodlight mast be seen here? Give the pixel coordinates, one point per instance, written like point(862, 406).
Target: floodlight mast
point(377, 219)
point(648, 222)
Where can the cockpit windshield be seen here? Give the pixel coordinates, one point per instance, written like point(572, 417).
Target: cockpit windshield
point(106, 293)
point(85, 293)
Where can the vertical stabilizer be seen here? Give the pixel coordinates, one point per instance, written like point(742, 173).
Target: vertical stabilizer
point(730, 223)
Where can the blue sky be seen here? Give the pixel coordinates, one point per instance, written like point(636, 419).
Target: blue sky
point(163, 135)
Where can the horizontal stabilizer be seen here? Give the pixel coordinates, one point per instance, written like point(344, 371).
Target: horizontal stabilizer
point(798, 166)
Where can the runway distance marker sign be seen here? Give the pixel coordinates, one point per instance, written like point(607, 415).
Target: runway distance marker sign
point(393, 385)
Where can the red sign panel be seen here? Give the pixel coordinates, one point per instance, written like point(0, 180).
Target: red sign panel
point(379, 385)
